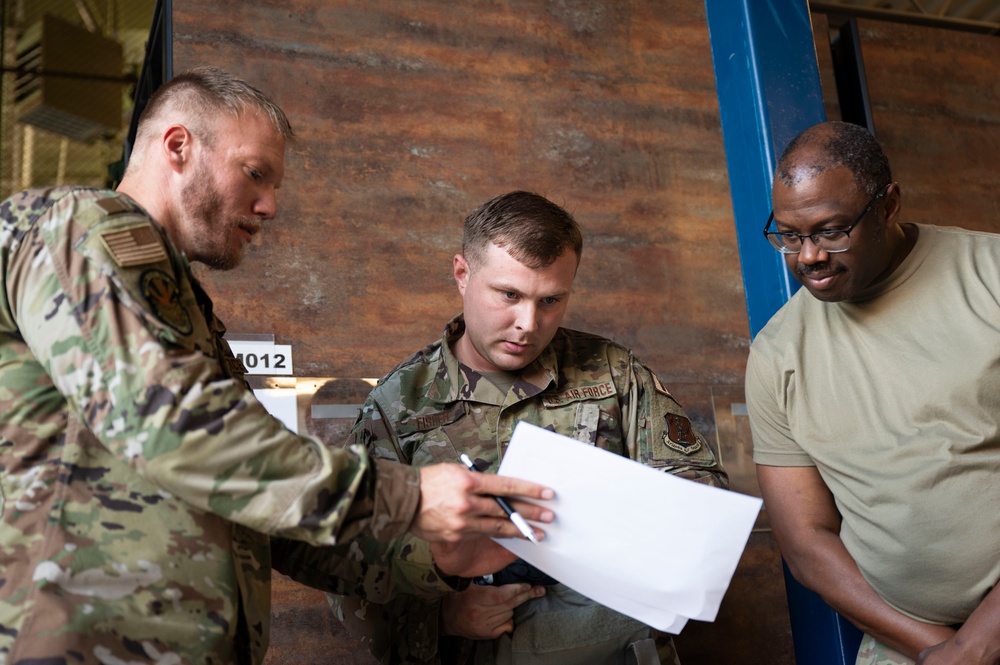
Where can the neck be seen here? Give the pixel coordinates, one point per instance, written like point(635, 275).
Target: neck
point(151, 197)
point(902, 243)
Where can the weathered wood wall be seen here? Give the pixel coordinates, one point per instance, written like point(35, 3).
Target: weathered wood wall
point(410, 114)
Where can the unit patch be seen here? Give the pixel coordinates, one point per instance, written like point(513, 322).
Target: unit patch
point(680, 435)
point(164, 298)
point(134, 246)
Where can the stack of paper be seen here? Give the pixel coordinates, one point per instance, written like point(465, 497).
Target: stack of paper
point(657, 548)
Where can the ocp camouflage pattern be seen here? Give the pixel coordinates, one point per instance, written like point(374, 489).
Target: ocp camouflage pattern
point(138, 474)
point(431, 408)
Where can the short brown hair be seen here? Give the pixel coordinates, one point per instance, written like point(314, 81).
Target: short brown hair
point(204, 92)
point(533, 230)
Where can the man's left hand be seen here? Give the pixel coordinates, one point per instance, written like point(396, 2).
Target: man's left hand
point(951, 652)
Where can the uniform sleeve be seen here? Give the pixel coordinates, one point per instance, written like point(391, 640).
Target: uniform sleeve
point(659, 434)
point(773, 444)
point(121, 334)
point(365, 568)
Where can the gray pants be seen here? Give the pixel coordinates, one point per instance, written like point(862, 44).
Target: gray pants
point(563, 627)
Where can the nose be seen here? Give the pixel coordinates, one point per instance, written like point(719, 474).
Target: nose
point(811, 253)
point(266, 204)
point(527, 317)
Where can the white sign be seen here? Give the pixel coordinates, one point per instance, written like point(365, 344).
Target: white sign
point(264, 357)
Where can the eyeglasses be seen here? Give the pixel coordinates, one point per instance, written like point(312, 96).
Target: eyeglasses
point(830, 241)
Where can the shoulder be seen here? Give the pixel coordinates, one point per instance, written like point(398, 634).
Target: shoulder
point(953, 239)
point(55, 204)
point(419, 369)
point(577, 347)
point(788, 321)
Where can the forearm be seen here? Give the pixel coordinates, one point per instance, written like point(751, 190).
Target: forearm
point(824, 565)
point(365, 568)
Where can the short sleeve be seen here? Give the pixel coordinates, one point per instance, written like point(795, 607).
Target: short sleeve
point(773, 444)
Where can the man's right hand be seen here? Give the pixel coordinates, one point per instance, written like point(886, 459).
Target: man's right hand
point(484, 612)
point(456, 504)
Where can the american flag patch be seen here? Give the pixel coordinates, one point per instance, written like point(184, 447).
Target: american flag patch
point(134, 246)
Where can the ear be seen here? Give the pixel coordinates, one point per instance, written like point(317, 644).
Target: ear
point(176, 145)
point(893, 203)
point(461, 271)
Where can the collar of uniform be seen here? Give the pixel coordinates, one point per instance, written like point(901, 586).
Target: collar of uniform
point(464, 382)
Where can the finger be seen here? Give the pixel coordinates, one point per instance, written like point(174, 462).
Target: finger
point(507, 627)
point(508, 592)
point(532, 511)
point(516, 594)
point(504, 528)
point(506, 486)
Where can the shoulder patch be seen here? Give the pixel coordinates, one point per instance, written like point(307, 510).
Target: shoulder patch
point(164, 298)
point(135, 245)
point(680, 434)
point(113, 205)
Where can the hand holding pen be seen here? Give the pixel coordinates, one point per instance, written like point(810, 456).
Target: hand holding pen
point(514, 516)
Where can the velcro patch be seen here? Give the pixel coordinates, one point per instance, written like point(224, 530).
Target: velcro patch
point(114, 205)
point(680, 434)
point(659, 387)
point(164, 298)
point(134, 246)
point(595, 391)
point(428, 422)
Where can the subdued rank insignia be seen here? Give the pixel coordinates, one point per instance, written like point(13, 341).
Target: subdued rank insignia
point(680, 435)
point(134, 246)
point(114, 205)
point(660, 388)
point(164, 298)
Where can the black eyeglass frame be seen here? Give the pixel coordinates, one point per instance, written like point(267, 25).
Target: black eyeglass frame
point(772, 236)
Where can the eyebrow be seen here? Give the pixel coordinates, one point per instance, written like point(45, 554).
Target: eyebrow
point(500, 286)
point(829, 220)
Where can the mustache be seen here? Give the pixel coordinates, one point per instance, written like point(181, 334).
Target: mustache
point(816, 268)
point(250, 222)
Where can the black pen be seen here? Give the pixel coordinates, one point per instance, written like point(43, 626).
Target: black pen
point(514, 516)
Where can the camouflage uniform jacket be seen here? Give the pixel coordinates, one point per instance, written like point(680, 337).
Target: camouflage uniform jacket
point(138, 474)
point(431, 408)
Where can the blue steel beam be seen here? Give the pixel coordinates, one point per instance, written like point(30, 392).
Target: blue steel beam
point(768, 85)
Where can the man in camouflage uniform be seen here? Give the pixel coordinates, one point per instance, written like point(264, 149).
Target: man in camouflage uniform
point(506, 360)
point(139, 477)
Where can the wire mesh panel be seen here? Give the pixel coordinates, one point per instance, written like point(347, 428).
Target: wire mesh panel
point(69, 74)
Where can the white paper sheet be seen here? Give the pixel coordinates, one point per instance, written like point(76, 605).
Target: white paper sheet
point(658, 548)
point(280, 403)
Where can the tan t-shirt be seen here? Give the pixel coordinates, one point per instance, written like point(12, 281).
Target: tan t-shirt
point(896, 401)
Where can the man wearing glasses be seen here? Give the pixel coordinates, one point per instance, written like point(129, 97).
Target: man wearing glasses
point(874, 400)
